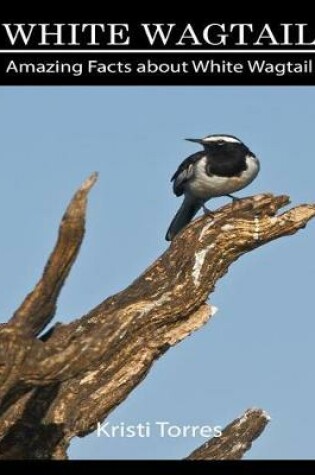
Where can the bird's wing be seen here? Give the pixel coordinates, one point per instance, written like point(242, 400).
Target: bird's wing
point(184, 172)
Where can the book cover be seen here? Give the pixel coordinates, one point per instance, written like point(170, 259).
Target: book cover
point(119, 344)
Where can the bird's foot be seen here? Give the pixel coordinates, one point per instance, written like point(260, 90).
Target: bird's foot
point(207, 211)
point(234, 198)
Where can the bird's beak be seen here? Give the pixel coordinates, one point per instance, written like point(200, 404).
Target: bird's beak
point(194, 140)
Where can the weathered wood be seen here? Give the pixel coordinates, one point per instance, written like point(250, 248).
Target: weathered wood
point(97, 360)
point(236, 438)
point(39, 306)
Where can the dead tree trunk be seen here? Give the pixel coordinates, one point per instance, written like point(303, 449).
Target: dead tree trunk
point(60, 385)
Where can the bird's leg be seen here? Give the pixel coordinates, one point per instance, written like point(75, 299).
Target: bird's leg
point(207, 211)
point(234, 198)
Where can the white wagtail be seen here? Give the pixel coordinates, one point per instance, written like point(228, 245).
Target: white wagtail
point(224, 166)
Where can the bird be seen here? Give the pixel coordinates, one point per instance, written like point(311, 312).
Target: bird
point(224, 166)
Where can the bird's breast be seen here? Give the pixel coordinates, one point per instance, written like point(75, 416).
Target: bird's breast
point(205, 186)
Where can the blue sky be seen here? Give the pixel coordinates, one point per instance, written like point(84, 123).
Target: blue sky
point(258, 350)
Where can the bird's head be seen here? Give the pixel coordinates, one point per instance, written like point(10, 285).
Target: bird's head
point(217, 140)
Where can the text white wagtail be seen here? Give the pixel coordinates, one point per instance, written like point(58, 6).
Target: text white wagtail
point(224, 166)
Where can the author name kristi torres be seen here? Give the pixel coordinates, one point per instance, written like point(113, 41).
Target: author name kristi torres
point(157, 428)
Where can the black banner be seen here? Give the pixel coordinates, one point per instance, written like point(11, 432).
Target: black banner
point(157, 69)
point(207, 52)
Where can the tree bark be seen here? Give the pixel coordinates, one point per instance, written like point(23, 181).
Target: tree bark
point(236, 438)
point(60, 385)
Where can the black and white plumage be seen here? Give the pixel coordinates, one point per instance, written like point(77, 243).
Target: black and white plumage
point(224, 166)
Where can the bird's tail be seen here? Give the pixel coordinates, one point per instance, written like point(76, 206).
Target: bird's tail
point(183, 216)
